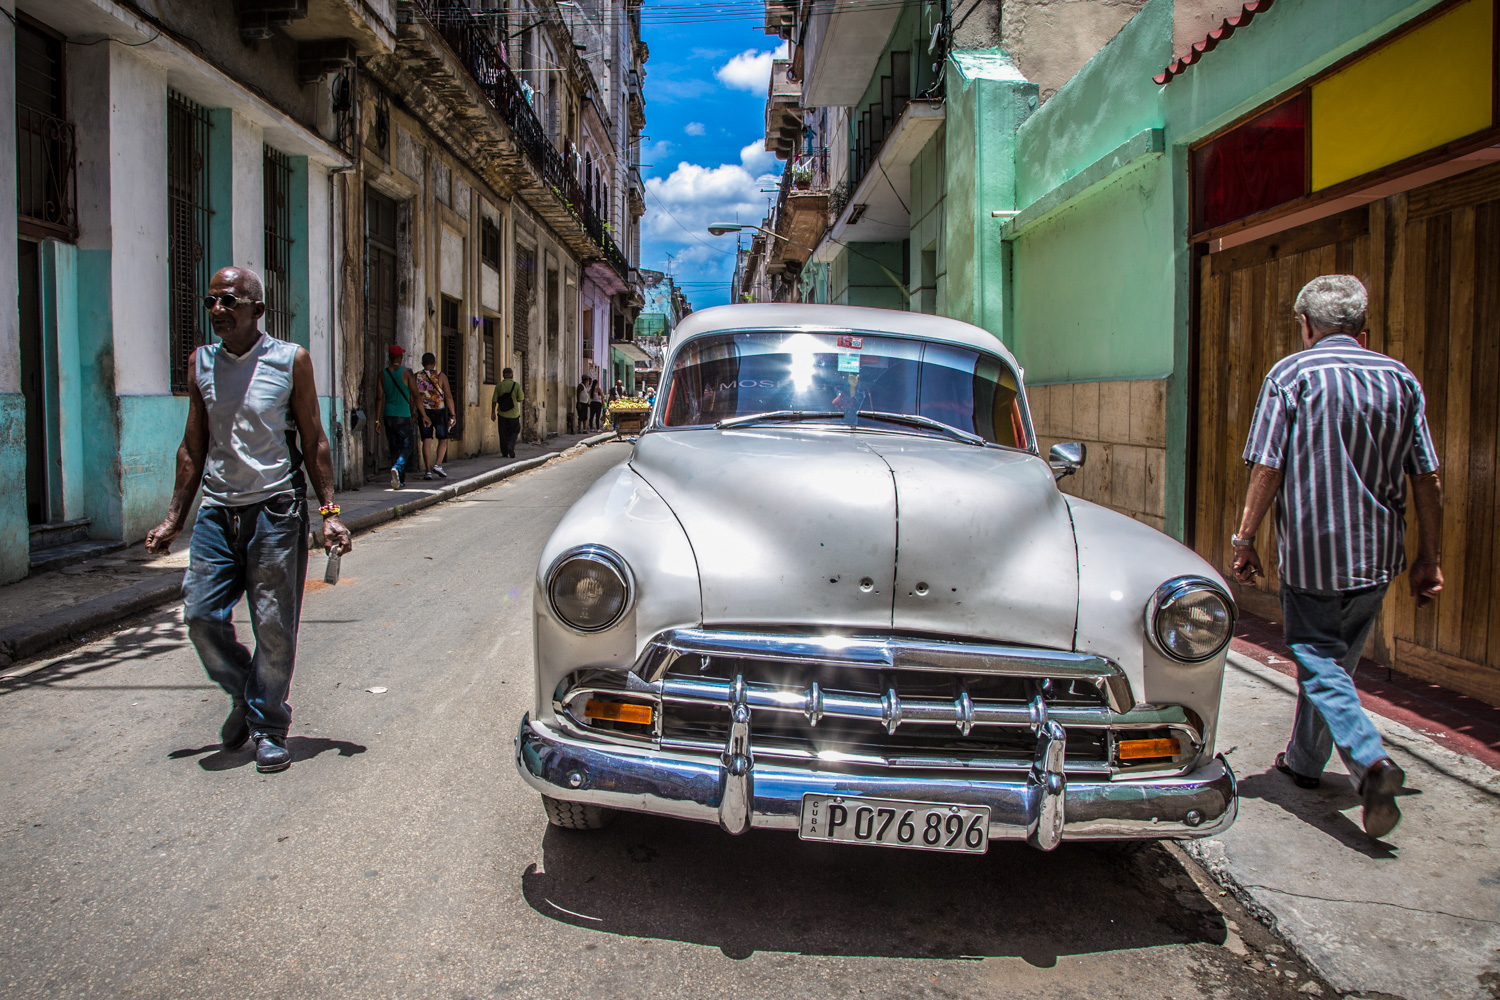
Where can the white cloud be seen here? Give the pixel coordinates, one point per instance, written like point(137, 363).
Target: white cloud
point(695, 196)
point(694, 128)
point(751, 69)
point(756, 159)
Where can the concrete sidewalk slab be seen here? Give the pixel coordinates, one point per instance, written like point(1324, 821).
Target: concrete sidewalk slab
point(1415, 916)
point(51, 607)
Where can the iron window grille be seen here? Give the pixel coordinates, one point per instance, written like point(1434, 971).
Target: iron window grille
point(489, 243)
point(46, 150)
point(277, 190)
point(488, 328)
point(187, 236)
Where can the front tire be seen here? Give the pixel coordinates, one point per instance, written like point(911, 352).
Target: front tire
point(576, 815)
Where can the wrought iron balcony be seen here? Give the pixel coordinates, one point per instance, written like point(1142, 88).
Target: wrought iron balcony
point(46, 174)
point(476, 48)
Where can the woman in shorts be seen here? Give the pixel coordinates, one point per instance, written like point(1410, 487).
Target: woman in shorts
point(437, 415)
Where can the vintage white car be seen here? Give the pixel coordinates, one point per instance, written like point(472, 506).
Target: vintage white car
point(835, 589)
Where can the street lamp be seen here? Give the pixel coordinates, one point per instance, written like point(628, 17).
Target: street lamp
point(723, 228)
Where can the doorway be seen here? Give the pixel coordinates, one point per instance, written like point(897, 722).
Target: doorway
point(452, 361)
point(35, 389)
point(380, 312)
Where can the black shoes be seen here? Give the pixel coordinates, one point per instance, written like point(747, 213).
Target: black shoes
point(1302, 780)
point(1383, 782)
point(235, 730)
point(271, 754)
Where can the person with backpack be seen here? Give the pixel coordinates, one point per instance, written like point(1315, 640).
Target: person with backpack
point(505, 405)
point(396, 391)
point(438, 415)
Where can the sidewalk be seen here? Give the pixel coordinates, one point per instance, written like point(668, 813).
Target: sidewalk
point(47, 608)
point(1414, 916)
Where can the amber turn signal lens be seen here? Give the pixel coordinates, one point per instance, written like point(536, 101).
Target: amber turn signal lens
point(1139, 749)
point(640, 715)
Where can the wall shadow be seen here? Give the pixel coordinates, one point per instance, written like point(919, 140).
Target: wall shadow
point(129, 646)
point(769, 891)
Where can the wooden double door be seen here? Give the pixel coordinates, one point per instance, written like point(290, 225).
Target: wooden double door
point(1431, 260)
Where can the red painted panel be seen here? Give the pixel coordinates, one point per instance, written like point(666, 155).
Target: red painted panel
point(1259, 165)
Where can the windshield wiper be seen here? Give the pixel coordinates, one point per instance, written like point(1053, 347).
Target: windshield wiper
point(927, 423)
point(755, 418)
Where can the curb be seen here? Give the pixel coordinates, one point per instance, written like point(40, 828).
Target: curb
point(29, 638)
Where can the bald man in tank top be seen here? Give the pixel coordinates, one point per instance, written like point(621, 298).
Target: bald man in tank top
point(252, 417)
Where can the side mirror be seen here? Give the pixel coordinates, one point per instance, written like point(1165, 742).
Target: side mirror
point(1066, 458)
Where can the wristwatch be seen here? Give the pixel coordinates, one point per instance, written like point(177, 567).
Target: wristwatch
point(1242, 541)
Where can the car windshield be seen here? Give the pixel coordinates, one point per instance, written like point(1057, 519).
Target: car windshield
point(854, 378)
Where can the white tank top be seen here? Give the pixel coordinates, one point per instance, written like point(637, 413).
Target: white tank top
point(252, 438)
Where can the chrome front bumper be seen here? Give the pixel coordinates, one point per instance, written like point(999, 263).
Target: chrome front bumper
point(1041, 807)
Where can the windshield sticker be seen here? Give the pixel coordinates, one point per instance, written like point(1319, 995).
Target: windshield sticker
point(849, 363)
point(853, 343)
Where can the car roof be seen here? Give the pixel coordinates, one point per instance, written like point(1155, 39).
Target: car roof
point(814, 317)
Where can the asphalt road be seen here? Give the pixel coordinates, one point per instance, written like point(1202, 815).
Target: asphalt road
point(401, 856)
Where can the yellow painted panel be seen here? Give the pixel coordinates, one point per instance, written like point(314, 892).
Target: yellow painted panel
point(1429, 87)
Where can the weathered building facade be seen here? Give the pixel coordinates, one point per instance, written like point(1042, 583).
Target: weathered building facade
point(1130, 196)
point(455, 177)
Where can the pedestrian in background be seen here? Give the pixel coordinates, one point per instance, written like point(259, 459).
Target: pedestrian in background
point(617, 391)
point(505, 406)
point(247, 396)
point(596, 405)
point(438, 415)
point(582, 403)
point(394, 403)
point(1337, 432)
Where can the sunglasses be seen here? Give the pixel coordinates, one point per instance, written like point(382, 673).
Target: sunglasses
point(228, 300)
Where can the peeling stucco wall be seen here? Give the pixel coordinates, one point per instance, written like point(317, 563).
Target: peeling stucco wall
point(1050, 40)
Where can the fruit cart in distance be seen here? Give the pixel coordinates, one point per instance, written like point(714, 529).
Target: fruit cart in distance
point(628, 416)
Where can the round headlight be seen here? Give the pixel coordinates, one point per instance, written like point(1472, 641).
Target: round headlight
point(589, 588)
point(1189, 619)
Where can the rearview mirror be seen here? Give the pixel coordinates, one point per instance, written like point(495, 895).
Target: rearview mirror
point(1066, 458)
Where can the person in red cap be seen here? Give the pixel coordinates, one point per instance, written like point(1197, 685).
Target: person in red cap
point(397, 390)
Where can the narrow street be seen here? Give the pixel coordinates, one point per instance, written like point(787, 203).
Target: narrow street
point(401, 856)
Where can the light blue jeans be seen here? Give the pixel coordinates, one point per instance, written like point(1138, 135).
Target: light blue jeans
point(259, 550)
point(1327, 634)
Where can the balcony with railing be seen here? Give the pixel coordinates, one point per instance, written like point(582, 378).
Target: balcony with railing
point(477, 50)
point(46, 174)
point(801, 216)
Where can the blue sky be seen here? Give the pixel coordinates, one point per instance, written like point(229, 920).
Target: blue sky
point(705, 162)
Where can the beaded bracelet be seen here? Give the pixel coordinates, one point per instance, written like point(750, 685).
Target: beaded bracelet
point(329, 510)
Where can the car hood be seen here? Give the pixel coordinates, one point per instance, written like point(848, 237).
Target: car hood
point(825, 526)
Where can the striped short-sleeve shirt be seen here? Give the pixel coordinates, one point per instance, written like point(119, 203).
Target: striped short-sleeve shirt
point(1346, 426)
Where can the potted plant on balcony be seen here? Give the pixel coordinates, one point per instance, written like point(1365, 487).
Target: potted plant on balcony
point(802, 175)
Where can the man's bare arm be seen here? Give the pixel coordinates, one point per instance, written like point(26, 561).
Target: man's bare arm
point(1426, 573)
point(192, 453)
point(316, 453)
point(1264, 484)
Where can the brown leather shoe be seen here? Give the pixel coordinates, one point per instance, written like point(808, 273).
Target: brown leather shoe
point(1383, 782)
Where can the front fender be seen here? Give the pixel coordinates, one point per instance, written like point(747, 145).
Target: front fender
point(1121, 562)
point(625, 514)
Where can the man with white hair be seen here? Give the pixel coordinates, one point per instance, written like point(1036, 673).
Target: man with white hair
point(1337, 432)
point(250, 401)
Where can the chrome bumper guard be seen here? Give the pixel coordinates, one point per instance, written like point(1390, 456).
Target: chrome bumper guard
point(1042, 807)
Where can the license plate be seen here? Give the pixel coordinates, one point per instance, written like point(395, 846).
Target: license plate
point(925, 826)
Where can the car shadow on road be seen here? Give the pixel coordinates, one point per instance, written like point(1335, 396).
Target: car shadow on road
point(1321, 808)
point(302, 748)
point(768, 891)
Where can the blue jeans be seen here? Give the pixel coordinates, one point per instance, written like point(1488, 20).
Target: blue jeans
point(259, 550)
point(1327, 634)
point(398, 436)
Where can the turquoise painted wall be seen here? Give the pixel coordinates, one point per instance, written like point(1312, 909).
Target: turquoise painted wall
point(988, 100)
point(150, 431)
point(60, 321)
point(1096, 283)
point(99, 405)
point(15, 537)
point(860, 279)
point(929, 189)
